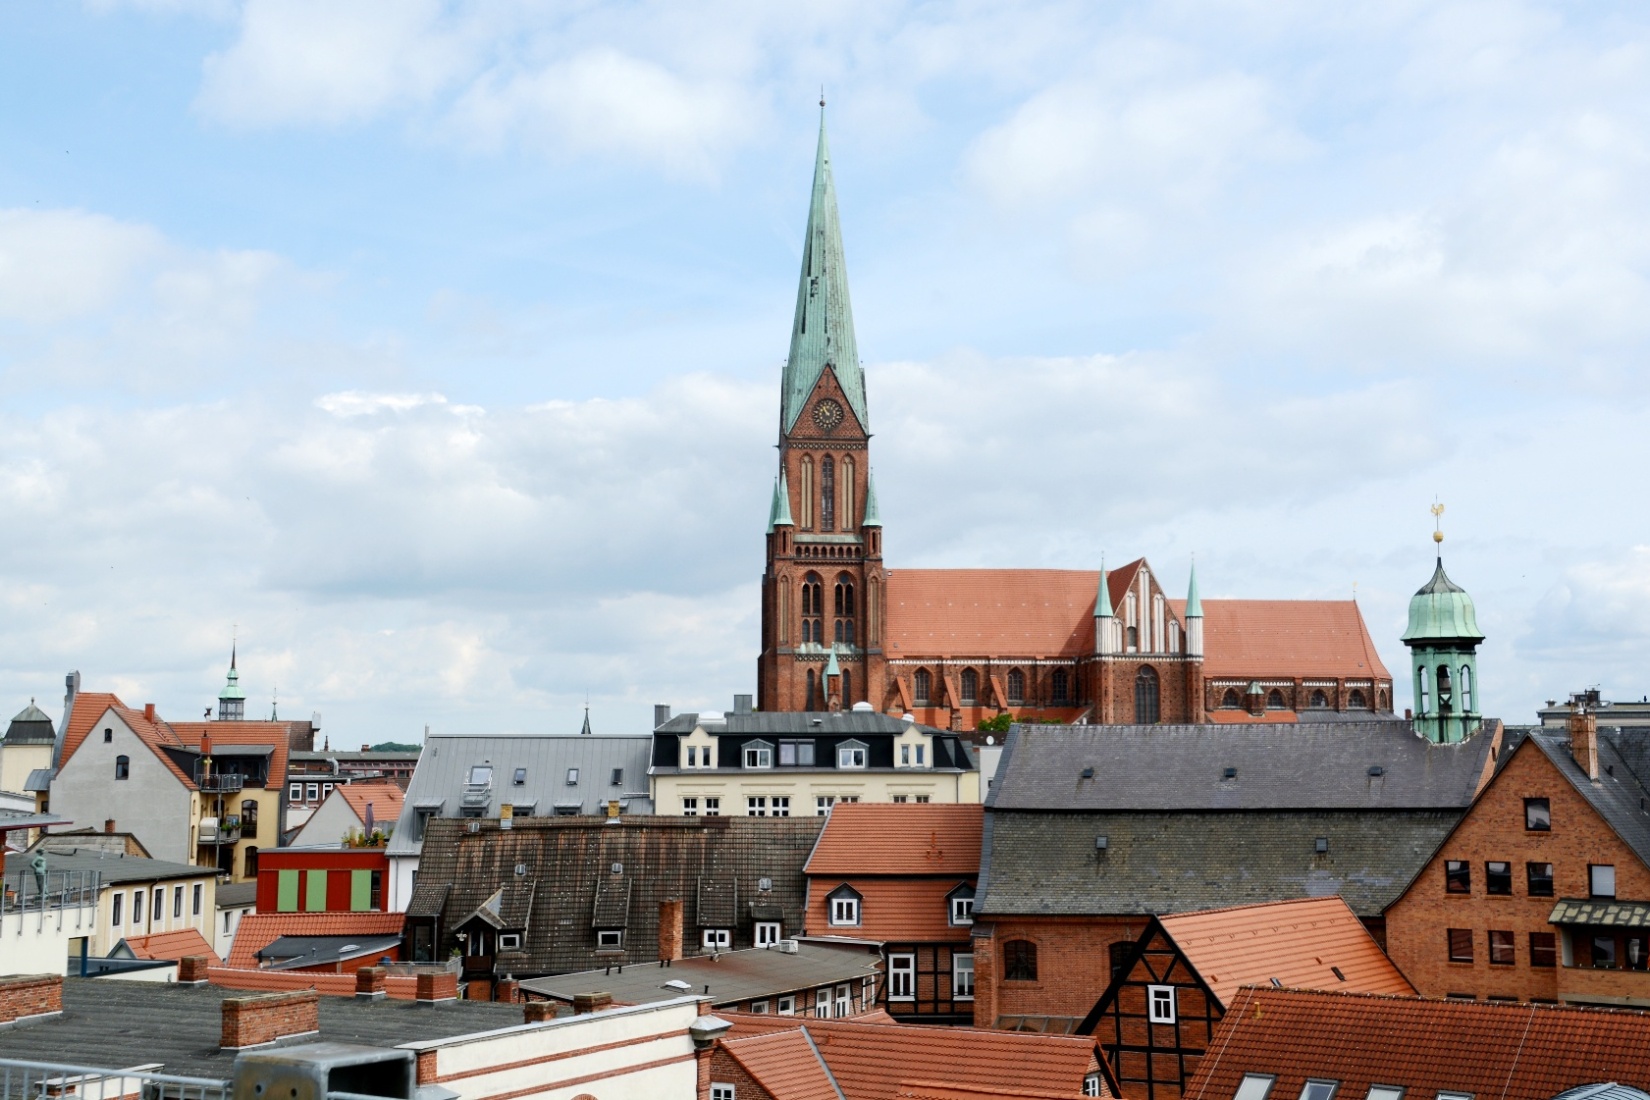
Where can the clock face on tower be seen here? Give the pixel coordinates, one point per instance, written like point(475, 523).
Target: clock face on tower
point(827, 414)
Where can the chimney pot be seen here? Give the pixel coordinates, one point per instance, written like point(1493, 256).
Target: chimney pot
point(109, 826)
point(149, 712)
point(366, 748)
point(586, 1003)
point(1584, 740)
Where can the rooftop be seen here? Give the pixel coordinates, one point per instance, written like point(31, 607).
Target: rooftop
point(727, 979)
point(114, 1023)
point(1486, 1049)
point(172, 946)
point(1370, 764)
point(865, 838)
point(258, 930)
point(111, 867)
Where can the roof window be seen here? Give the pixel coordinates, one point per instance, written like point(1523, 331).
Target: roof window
point(481, 775)
point(1319, 1090)
point(1321, 845)
point(521, 777)
point(1385, 1092)
point(572, 777)
point(1254, 1086)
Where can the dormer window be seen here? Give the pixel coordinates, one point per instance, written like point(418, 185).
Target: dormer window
point(961, 901)
point(842, 906)
point(758, 754)
point(851, 754)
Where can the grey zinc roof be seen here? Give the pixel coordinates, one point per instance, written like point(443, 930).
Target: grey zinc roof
point(1153, 863)
point(444, 768)
point(115, 1024)
point(1307, 766)
point(234, 895)
point(728, 979)
point(570, 859)
point(1621, 795)
point(793, 722)
point(112, 868)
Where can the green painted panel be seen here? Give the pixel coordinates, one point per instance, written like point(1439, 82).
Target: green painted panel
point(315, 891)
point(360, 891)
point(286, 891)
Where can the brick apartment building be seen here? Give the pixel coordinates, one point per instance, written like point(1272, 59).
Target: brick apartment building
point(1092, 830)
point(955, 646)
point(1542, 892)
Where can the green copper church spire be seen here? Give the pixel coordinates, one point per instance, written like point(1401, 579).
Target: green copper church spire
point(822, 334)
point(873, 518)
point(779, 513)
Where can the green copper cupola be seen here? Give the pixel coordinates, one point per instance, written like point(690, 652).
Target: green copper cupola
point(1443, 638)
point(822, 335)
point(232, 700)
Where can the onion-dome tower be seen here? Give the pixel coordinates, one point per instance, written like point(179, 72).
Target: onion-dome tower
point(1443, 639)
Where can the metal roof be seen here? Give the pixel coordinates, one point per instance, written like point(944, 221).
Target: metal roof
point(1620, 794)
point(752, 974)
point(443, 774)
point(112, 868)
point(794, 722)
point(1371, 764)
point(1442, 611)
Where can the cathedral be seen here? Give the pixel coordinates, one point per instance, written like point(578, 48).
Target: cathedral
point(955, 647)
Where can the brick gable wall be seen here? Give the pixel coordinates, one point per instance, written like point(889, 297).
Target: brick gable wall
point(1073, 965)
point(725, 1071)
point(1417, 923)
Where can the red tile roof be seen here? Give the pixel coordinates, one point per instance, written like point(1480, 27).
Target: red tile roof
point(89, 706)
point(985, 612)
point(182, 944)
point(1249, 638)
point(891, 910)
point(870, 1060)
point(385, 799)
point(1494, 1051)
point(258, 930)
point(929, 1090)
point(1296, 942)
point(785, 1063)
point(865, 838)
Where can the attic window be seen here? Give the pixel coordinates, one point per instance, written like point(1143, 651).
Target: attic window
point(1320, 1090)
point(851, 754)
point(609, 939)
point(521, 777)
point(618, 777)
point(1538, 815)
point(108, 736)
point(1228, 773)
point(509, 941)
point(1255, 1086)
point(481, 775)
point(1321, 845)
point(572, 777)
point(1385, 1092)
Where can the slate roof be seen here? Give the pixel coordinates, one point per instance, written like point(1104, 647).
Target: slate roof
point(1484, 1049)
point(1296, 942)
point(1307, 766)
point(732, 977)
point(867, 838)
point(112, 869)
point(829, 730)
point(443, 771)
point(114, 1024)
point(791, 723)
point(871, 1061)
point(1621, 791)
point(234, 895)
point(1047, 863)
point(715, 862)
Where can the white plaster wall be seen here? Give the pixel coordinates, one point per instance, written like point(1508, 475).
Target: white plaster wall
point(38, 943)
point(108, 933)
point(403, 869)
point(328, 824)
point(153, 804)
point(17, 761)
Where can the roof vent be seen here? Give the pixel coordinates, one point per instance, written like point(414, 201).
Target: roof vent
point(1229, 773)
point(1088, 773)
point(1276, 984)
point(617, 868)
point(1376, 770)
point(1100, 843)
point(1321, 845)
point(764, 884)
point(1337, 972)
point(677, 985)
point(521, 870)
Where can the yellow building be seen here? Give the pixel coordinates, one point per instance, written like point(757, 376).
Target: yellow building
point(784, 765)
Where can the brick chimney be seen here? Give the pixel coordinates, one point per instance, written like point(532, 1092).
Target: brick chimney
point(586, 1003)
point(370, 982)
point(537, 1012)
point(436, 985)
point(254, 1021)
point(670, 930)
point(194, 970)
point(148, 712)
point(27, 996)
point(1584, 739)
point(109, 825)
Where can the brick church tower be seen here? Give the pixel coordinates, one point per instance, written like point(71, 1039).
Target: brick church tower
point(823, 589)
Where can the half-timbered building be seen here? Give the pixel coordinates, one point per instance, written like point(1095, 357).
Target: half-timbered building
point(1158, 1016)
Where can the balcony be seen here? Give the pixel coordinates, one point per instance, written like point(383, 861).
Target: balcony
point(226, 832)
point(220, 783)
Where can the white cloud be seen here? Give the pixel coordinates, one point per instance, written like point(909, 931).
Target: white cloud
point(58, 264)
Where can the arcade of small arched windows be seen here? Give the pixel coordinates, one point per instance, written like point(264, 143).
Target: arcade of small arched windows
point(809, 550)
point(813, 608)
point(1231, 698)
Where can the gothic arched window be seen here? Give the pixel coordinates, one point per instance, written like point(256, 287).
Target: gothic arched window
point(847, 493)
point(1016, 686)
point(1230, 699)
point(1060, 685)
point(1355, 699)
point(1319, 699)
point(827, 494)
point(808, 704)
point(1146, 696)
point(1274, 700)
point(847, 687)
point(970, 687)
point(813, 608)
point(922, 687)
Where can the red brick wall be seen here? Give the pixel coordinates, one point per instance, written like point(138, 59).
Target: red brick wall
point(30, 995)
point(1417, 924)
point(253, 1021)
point(725, 1071)
point(1073, 965)
point(437, 985)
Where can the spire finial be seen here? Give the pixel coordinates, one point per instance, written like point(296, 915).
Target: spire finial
point(822, 97)
point(1438, 525)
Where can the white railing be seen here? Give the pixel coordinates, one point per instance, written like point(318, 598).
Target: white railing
point(20, 1080)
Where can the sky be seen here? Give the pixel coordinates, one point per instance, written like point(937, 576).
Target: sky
point(432, 350)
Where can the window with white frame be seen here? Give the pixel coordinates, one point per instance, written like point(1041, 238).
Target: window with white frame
point(690, 807)
point(713, 807)
point(962, 905)
point(717, 939)
point(1385, 1092)
point(756, 805)
point(115, 903)
point(844, 1000)
point(1091, 1085)
point(901, 799)
point(1160, 1004)
point(781, 805)
point(787, 1005)
point(920, 751)
point(962, 977)
point(758, 1008)
point(822, 1003)
point(767, 932)
point(822, 804)
point(721, 1092)
point(693, 756)
point(843, 906)
point(608, 939)
point(902, 977)
point(1254, 1086)
point(851, 754)
point(295, 793)
point(509, 941)
point(312, 792)
point(758, 754)
point(905, 756)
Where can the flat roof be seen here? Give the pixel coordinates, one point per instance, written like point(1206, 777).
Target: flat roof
point(728, 978)
point(111, 1024)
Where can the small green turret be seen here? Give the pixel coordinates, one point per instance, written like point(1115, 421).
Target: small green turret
point(1443, 638)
